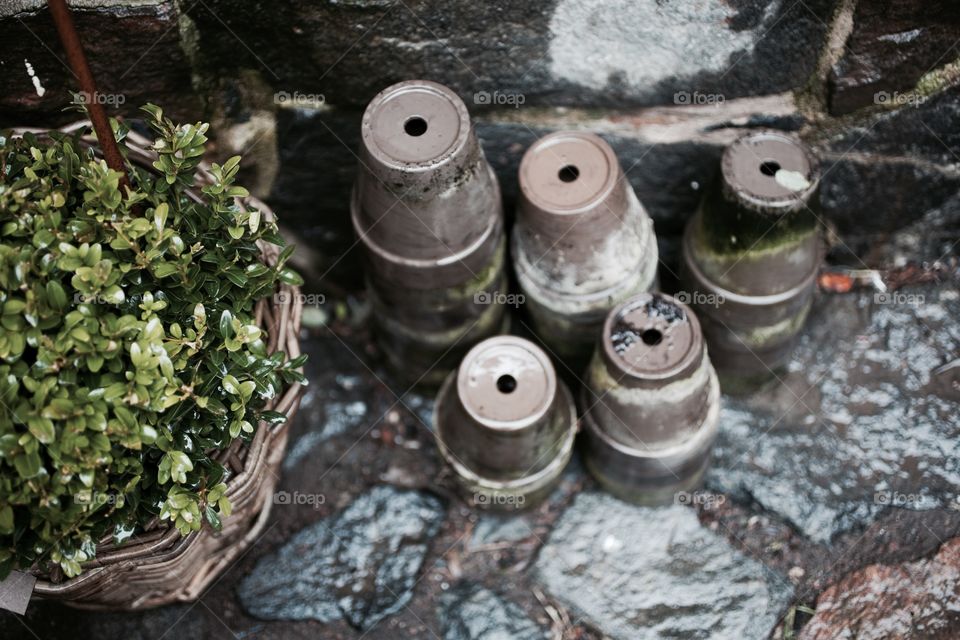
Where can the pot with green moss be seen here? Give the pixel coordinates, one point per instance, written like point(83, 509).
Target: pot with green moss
point(148, 364)
point(751, 255)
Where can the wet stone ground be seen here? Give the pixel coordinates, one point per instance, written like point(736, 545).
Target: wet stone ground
point(837, 440)
point(830, 511)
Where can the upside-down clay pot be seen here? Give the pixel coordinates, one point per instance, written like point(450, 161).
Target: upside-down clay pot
point(582, 241)
point(505, 424)
point(751, 255)
point(426, 208)
point(651, 401)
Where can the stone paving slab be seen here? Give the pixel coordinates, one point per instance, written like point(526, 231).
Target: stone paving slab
point(640, 573)
point(865, 419)
point(361, 565)
point(911, 600)
point(472, 612)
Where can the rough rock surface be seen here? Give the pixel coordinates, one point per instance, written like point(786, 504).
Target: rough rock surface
point(925, 131)
point(335, 403)
point(182, 621)
point(317, 168)
point(876, 195)
point(494, 528)
point(472, 612)
point(638, 573)
point(911, 600)
point(893, 44)
point(866, 417)
point(934, 237)
point(361, 565)
point(540, 49)
point(133, 49)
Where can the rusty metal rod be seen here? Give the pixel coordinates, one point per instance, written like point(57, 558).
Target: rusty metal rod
point(67, 31)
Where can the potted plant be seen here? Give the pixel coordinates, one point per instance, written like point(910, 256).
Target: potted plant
point(148, 363)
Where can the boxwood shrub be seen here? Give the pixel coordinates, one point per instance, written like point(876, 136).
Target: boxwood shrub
point(129, 353)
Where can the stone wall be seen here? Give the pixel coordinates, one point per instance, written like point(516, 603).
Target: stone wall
point(873, 85)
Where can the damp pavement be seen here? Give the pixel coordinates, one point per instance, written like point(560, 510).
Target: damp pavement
point(839, 439)
point(472, 612)
point(367, 560)
point(646, 573)
point(831, 508)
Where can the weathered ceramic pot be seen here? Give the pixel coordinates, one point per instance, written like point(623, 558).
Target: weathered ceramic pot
point(582, 241)
point(751, 255)
point(426, 207)
point(651, 401)
point(505, 424)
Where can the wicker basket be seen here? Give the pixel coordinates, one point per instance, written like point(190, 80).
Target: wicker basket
point(159, 566)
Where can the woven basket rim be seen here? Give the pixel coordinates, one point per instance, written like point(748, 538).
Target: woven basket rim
point(160, 539)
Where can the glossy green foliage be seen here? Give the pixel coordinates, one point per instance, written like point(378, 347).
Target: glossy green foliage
point(129, 354)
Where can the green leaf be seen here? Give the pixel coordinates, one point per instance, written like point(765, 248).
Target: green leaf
point(226, 324)
point(291, 277)
point(164, 269)
point(273, 417)
point(126, 417)
point(13, 306)
point(27, 464)
point(6, 519)
point(247, 388)
point(180, 465)
point(59, 408)
point(236, 278)
point(56, 296)
point(160, 214)
point(155, 112)
point(42, 429)
point(213, 518)
point(231, 385)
